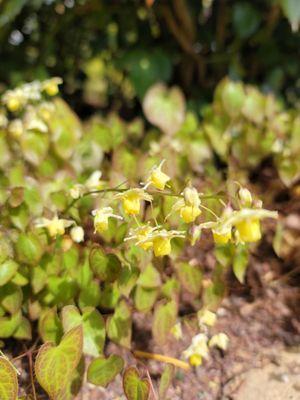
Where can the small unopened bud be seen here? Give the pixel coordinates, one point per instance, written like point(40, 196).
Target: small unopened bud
point(191, 197)
point(245, 197)
point(77, 234)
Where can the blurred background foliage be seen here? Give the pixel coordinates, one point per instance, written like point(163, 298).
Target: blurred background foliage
point(110, 52)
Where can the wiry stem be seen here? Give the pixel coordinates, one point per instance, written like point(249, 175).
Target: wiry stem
point(160, 357)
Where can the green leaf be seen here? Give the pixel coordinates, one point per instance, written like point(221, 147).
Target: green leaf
point(29, 248)
point(149, 278)
point(165, 381)
point(93, 328)
point(35, 146)
point(190, 277)
point(164, 319)
point(291, 9)
point(11, 297)
point(110, 295)
point(54, 366)
point(127, 280)
point(119, 325)
point(165, 108)
point(65, 128)
point(240, 263)
point(144, 298)
point(23, 331)
point(7, 271)
point(135, 388)
point(102, 371)
point(90, 296)
point(9, 325)
point(8, 380)
point(50, 327)
point(246, 19)
point(38, 279)
point(107, 267)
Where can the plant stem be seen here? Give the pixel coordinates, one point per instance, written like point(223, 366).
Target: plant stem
point(160, 357)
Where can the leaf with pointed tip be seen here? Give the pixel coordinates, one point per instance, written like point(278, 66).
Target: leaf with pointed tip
point(93, 327)
point(149, 278)
point(11, 297)
point(8, 380)
point(164, 319)
point(7, 271)
point(102, 371)
point(24, 330)
point(119, 325)
point(50, 327)
point(107, 267)
point(135, 388)
point(240, 263)
point(54, 366)
point(9, 325)
point(165, 107)
point(190, 277)
point(165, 381)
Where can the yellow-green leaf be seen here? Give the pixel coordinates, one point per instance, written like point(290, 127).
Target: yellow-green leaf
point(8, 380)
point(102, 371)
point(54, 366)
point(135, 388)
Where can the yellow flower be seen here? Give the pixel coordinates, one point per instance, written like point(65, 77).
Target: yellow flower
point(249, 230)
point(162, 246)
point(101, 216)
point(50, 86)
point(160, 239)
point(158, 178)
point(221, 237)
point(191, 197)
point(142, 234)
point(13, 104)
point(189, 213)
point(207, 317)
point(188, 206)
point(197, 350)
point(55, 226)
point(220, 340)
point(132, 200)
point(195, 360)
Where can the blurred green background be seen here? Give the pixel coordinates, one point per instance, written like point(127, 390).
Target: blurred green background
point(110, 52)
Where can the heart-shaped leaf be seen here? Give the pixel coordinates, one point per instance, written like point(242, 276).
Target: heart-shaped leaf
point(135, 388)
point(165, 381)
point(102, 371)
point(163, 320)
point(106, 267)
point(8, 380)
point(7, 271)
point(50, 327)
point(55, 366)
point(93, 327)
point(119, 325)
point(165, 108)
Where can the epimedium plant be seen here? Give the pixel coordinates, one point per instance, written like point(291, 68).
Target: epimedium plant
point(82, 250)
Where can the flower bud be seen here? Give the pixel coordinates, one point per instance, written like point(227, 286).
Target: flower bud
point(77, 234)
point(245, 197)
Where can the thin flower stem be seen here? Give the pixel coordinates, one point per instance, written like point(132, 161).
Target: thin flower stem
point(209, 210)
point(136, 220)
point(160, 357)
point(153, 215)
